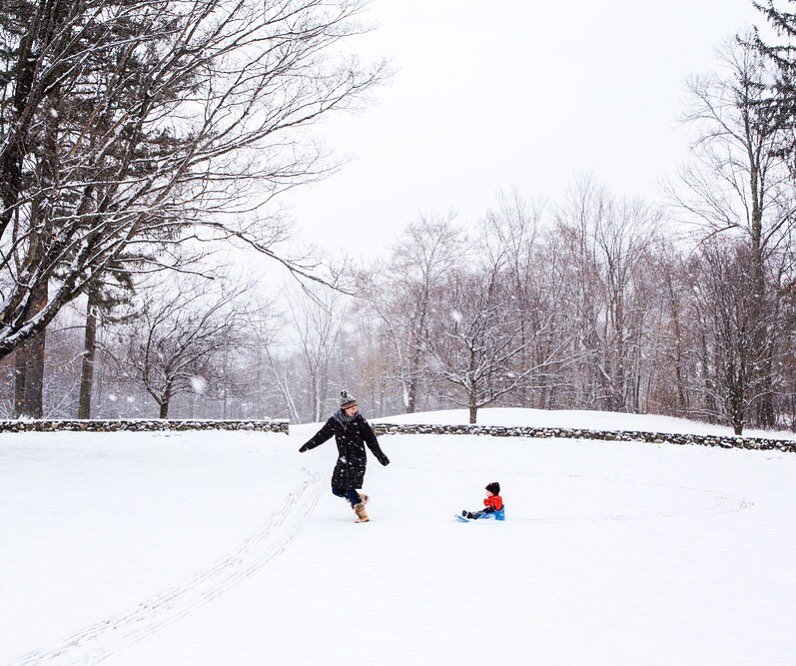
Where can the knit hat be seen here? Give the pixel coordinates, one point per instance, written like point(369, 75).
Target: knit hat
point(493, 488)
point(346, 399)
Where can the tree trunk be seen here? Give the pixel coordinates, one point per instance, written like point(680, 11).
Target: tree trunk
point(766, 416)
point(90, 349)
point(765, 411)
point(413, 372)
point(618, 379)
point(710, 400)
point(411, 394)
point(41, 213)
point(20, 370)
point(12, 159)
point(164, 409)
point(473, 413)
point(34, 377)
point(682, 402)
point(737, 418)
point(736, 398)
point(793, 413)
point(33, 405)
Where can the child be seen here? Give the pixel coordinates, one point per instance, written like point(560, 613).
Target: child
point(494, 505)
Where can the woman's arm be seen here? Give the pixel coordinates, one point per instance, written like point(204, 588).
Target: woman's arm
point(319, 437)
point(373, 443)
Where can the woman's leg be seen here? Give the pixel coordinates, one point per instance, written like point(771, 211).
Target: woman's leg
point(349, 493)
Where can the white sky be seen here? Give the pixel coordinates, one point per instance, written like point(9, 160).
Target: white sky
point(491, 95)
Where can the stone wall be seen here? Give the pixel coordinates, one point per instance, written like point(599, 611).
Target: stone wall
point(727, 442)
point(279, 425)
point(140, 425)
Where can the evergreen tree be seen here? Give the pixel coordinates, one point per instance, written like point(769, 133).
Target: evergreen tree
point(782, 54)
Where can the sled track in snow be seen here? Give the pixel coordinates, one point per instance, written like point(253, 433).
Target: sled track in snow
point(98, 641)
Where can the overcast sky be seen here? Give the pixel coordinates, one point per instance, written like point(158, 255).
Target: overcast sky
point(491, 95)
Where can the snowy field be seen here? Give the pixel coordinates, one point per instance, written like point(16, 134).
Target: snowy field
point(228, 548)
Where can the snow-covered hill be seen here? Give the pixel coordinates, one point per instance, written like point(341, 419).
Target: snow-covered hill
point(227, 548)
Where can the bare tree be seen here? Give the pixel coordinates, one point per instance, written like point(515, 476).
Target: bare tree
point(677, 350)
point(172, 344)
point(604, 248)
point(124, 124)
point(271, 354)
point(731, 324)
point(623, 233)
point(473, 339)
point(401, 294)
point(738, 182)
point(318, 323)
point(510, 235)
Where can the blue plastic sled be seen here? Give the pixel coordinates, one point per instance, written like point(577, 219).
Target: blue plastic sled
point(496, 515)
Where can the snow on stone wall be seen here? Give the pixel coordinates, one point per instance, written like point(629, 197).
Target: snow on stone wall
point(141, 425)
point(726, 442)
point(280, 425)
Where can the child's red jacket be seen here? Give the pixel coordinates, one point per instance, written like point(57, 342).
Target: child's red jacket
point(495, 502)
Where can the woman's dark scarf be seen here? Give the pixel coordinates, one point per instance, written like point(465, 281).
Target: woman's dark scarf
point(342, 418)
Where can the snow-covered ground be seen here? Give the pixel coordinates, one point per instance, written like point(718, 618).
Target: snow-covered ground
point(227, 548)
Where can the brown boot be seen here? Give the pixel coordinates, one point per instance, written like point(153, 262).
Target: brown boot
point(362, 515)
point(363, 498)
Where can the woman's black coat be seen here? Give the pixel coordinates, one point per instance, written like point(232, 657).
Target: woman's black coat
point(351, 437)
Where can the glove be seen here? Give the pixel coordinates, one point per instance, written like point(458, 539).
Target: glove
point(385, 461)
point(303, 449)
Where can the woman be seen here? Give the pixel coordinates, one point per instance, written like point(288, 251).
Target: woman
point(351, 432)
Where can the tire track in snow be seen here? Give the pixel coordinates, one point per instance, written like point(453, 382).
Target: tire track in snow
point(96, 642)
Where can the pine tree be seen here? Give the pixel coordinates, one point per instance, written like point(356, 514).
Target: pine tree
point(782, 54)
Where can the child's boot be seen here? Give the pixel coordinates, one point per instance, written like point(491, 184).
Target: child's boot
point(363, 498)
point(362, 515)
